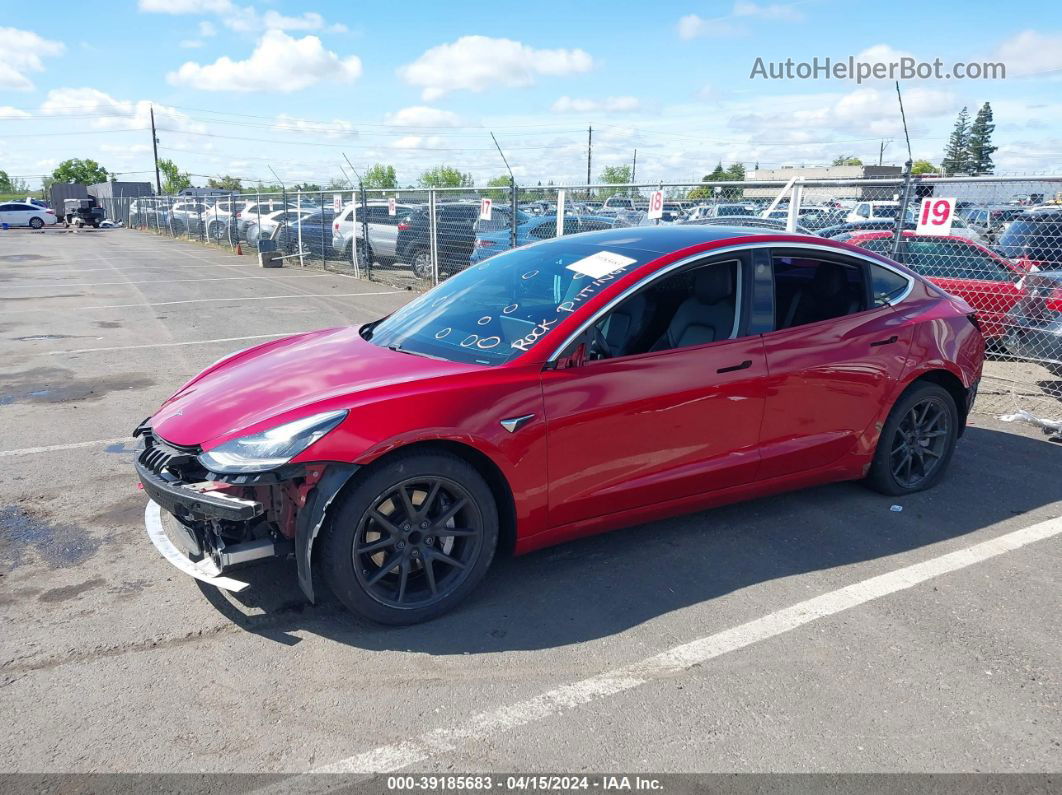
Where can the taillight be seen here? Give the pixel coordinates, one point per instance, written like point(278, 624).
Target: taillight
point(50, 212)
point(238, 214)
point(403, 226)
point(335, 227)
point(1054, 300)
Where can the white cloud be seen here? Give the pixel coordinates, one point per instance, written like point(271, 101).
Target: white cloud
point(476, 63)
point(243, 19)
point(1031, 52)
point(111, 113)
point(22, 52)
point(190, 44)
point(185, 6)
point(423, 116)
point(207, 29)
point(607, 105)
point(337, 128)
point(7, 112)
point(693, 26)
point(278, 63)
point(772, 11)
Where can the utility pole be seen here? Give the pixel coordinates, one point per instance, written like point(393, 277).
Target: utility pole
point(155, 147)
point(589, 148)
point(881, 151)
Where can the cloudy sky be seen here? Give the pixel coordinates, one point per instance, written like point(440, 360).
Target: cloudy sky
point(240, 86)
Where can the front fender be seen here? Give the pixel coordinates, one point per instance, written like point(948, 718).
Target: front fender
point(312, 516)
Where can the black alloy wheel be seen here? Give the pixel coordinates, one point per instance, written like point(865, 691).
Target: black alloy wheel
point(412, 536)
point(921, 440)
point(917, 441)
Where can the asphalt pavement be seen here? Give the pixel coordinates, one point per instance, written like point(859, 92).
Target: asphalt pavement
point(815, 631)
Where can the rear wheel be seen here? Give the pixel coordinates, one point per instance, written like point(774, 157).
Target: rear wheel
point(36, 223)
point(364, 254)
point(917, 441)
point(412, 539)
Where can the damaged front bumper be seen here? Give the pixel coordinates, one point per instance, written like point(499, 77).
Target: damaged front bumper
point(220, 522)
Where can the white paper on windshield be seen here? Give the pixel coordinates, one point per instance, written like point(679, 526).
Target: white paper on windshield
point(603, 262)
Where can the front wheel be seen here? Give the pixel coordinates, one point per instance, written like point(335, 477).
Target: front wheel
point(412, 539)
point(917, 441)
point(421, 264)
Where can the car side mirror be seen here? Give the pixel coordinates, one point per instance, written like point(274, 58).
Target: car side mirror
point(574, 359)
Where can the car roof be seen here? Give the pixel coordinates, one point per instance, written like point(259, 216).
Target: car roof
point(664, 239)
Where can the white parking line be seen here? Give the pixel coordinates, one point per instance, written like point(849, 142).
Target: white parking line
point(51, 448)
point(489, 724)
point(169, 344)
point(172, 281)
point(206, 300)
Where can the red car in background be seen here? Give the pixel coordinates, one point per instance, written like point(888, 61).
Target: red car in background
point(556, 390)
point(985, 280)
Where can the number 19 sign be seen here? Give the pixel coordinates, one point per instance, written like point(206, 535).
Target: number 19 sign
point(935, 216)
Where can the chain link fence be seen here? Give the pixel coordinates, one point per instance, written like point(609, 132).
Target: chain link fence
point(1002, 253)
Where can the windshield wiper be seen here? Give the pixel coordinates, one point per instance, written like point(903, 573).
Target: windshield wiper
point(399, 349)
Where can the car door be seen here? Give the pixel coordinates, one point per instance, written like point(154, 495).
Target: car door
point(7, 214)
point(657, 424)
point(834, 353)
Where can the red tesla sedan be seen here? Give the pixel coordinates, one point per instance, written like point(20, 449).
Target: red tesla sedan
point(557, 390)
point(985, 280)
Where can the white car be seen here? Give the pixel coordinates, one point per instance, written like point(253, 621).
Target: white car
point(25, 214)
point(873, 211)
point(383, 229)
point(219, 217)
point(264, 226)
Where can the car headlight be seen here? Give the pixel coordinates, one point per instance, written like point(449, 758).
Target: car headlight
point(270, 449)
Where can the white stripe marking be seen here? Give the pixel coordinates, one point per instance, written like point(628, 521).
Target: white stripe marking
point(170, 344)
point(485, 725)
point(168, 281)
point(206, 300)
point(55, 447)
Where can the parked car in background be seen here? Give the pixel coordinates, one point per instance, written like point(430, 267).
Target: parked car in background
point(989, 221)
point(501, 218)
point(316, 234)
point(25, 214)
point(383, 230)
point(539, 228)
point(959, 227)
point(870, 211)
point(985, 280)
point(229, 217)
point(455, 237)
point(1035, 322)
point(264, 226)
point(1035, 236)
point(422, 442)
point(622, 203)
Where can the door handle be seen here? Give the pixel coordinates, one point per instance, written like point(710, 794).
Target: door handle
point(745, 365)
point(889, 341)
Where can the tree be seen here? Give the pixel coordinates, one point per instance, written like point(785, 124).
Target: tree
point(338, 183)
point(846, 160)
point(5, 182)
point(614, 175)
point(735, 173)
point(234, 184)
point(957, 153)
point(980, 147)
point(445, 177)
point(923, 167)
point(501, 182)
point(174, 181)
point(307, 187)
point(381, 176)
point(83, 172)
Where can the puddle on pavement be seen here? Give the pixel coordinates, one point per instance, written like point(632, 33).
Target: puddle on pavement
point(22, 257)
point(59, 545)
point(58, 385)
point(68, 592)
point(108, 324)
point(44, 337)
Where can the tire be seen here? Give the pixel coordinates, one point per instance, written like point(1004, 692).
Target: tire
point(365, 254)
point(370, 583)
point(36, 223)
point(917, 442)
point(420, 262)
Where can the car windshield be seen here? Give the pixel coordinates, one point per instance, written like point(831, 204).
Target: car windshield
point(493, 312)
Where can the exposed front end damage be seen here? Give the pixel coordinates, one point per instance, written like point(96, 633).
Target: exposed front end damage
point(226, 521)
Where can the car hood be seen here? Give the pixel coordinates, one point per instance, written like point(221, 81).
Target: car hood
point(285, 379)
